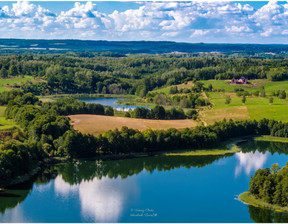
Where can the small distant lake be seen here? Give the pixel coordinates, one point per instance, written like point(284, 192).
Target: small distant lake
point(185, 189)
point(111, 102)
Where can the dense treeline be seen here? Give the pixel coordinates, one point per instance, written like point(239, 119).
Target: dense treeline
point(6, 96)
point(42, 126)
point(68, 106)
point(189, 100)
point(159, 112)
point(129, 140)
point(17, 158)
point(271, 185)
point(133, 74)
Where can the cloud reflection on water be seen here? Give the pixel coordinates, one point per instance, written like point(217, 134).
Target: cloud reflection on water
point(63, 188)
point(15, 215)
point(249, 162)
point(101, 200)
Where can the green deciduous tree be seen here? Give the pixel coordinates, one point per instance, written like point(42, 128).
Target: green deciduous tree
point(228, 100)
point(243, 99)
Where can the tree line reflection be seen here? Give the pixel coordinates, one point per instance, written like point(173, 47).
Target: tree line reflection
point(76, 172)
point(261, 215)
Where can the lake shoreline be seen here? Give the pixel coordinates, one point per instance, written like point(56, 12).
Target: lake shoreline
point(229, 144)
point(22, 179)
point(269, 138)
point(248, 198)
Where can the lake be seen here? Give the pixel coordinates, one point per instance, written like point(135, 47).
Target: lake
point(152, 189)
point(111, 102)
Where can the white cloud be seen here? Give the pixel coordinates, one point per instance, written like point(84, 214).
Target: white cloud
point(178, 21)
point(267, 32)
point(199, 33)
point(238, 29)
point(170, 34)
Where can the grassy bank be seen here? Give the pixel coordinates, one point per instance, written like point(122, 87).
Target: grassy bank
point(211, 152)
point(248, 198)
point(269, 138)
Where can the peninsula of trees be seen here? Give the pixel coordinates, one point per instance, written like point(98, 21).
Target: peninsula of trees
point(268, 188)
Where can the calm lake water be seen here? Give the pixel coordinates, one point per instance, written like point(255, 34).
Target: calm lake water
point(110, 102)
point(154, 189)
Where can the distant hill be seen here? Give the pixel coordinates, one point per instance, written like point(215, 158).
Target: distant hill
point(135, 47)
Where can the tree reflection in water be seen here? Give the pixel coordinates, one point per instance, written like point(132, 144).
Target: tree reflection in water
point(267, 216)
point(77, 172)
point(111, 172)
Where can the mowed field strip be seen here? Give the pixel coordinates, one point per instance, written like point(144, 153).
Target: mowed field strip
point(96, 124)
point(234, 113)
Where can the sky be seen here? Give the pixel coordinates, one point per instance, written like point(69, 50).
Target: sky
point(191, 21)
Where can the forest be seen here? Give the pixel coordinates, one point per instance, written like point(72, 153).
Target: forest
point(45, 132)
point(89, 48)
point(134, 74)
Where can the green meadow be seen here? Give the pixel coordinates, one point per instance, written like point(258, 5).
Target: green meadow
point(254, 107)
point(5, 82)
point(213, 152)
point(5, 124)
point(252, 86)
point(269, 138)
point(258, 107)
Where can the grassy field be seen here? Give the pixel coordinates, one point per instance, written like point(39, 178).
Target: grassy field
point(5, 124)
point(276, 112)
point(251, 86)
point(5, 82)
point(274, 86)
point(248, 198)
point(270, 138)
point(96, 124)
point(256, 107)
point(235, 113)
point(166, 90)
point(2, 110)
point(212, 152)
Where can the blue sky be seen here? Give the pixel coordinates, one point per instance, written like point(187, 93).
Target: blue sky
point(191, 21)
point(58, 6)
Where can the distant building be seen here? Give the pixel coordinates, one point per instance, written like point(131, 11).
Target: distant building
point(242, 80)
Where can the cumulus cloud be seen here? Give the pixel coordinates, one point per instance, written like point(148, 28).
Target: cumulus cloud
point(199, 33)
point(179, 21)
